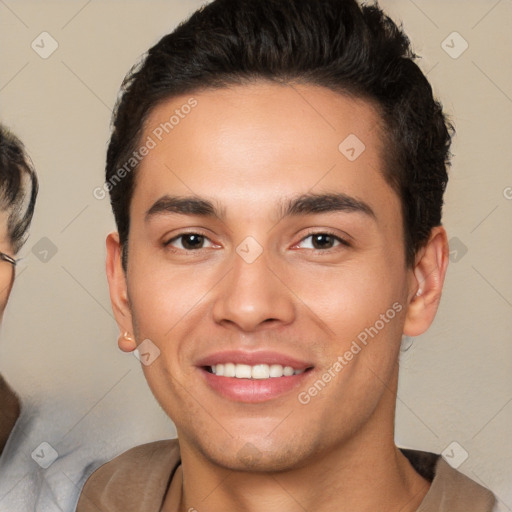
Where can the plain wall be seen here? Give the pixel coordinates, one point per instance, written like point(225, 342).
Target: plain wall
point(58, 343)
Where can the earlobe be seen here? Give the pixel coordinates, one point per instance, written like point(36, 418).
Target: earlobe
point(126, 342)
point(426, 283)
point(117, 287)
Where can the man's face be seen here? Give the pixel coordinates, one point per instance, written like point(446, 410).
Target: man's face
point(303, 252)
point(6, 268)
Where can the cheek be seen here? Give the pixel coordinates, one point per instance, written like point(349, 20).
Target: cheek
point(362, 312)
point(5, 290)
point(162, 297)
point(352, 297)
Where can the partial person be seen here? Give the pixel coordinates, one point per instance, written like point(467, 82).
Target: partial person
point(39, 470)
point(18, 192)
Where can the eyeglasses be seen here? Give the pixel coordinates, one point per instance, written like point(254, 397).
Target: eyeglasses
point(6, 257)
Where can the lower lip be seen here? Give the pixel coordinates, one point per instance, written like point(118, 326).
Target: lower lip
point(253, 390)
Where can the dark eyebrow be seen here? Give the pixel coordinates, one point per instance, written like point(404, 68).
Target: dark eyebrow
point(305, 204)
point(183, 206)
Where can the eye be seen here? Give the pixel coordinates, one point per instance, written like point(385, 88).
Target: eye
point(322, 241)
point(189, 242)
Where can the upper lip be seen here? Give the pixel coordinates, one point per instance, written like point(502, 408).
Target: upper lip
point(253, 358)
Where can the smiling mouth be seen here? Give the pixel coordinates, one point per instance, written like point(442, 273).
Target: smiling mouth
point(254, 372)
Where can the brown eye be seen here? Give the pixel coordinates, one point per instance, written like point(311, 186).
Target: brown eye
point(322, 241)
point(188, 241)
point(192, 241)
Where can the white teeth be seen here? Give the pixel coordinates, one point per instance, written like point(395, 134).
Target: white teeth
point(229, 370)
point(258, 371)
point(276, 370)
point(243, 371)
point(261, 371)
point(287, 371)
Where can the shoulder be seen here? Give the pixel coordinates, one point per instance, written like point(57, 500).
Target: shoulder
point(135, 480)
point(31, 471)
point(456, 492)
point(450, 490)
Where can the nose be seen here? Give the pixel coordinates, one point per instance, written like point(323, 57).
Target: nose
point(253, 296)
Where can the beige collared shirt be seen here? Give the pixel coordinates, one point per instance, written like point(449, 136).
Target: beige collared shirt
point(138, 480)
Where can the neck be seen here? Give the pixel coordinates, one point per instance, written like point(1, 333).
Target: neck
point(364, 473)
point(9, 411)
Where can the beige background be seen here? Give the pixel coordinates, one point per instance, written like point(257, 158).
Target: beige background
point(58, 342)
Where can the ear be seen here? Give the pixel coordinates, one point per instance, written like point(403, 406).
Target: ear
point(119, 293)
point(426, 283)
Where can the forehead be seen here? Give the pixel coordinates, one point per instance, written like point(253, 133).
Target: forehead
point(257, 143)
point(4, 236)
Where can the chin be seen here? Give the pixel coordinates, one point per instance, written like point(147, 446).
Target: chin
point(259, 456)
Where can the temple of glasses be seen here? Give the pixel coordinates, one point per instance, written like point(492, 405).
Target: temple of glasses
point(6, 257)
